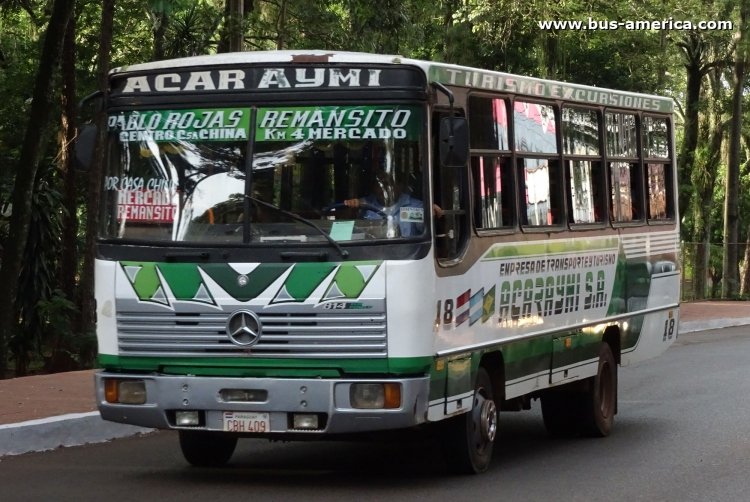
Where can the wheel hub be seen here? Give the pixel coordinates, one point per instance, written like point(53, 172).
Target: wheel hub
point(488, 420)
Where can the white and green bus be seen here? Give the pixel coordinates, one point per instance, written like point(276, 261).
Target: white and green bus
point(309, 244)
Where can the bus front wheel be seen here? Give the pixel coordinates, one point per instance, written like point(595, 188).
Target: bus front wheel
point(207, 449)
point(471, 436)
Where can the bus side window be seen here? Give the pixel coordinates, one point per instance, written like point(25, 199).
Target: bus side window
point(584, 171)
point(659, 183)
point(492, 172)
point(626, 177)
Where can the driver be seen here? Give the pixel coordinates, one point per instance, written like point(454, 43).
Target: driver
point(389, 197)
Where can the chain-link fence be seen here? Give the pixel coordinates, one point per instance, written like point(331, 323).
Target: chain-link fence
point(702, 273)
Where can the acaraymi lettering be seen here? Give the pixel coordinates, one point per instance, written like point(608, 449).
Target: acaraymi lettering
point(532, 290)
point(235, 79)
point(549, 296)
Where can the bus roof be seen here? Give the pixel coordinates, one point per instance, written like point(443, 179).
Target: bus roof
point(447, 74)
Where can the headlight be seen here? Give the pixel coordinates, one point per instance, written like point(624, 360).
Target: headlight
point(375, 396)
point(124, 391)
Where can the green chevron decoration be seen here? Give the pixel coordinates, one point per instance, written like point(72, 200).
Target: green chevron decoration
point(153, 282)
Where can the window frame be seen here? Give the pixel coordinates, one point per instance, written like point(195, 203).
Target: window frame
point(505, 156)
point(569, 158)
point(556, 175)
point(668, 163)
point(636, 164)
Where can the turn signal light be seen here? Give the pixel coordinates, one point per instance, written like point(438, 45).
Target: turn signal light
point(392, 393)
point(110, 390)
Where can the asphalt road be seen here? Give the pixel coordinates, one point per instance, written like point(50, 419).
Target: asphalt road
point(682, 433)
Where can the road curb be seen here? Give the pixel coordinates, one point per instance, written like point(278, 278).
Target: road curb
point(73, 429)
point(704, 325)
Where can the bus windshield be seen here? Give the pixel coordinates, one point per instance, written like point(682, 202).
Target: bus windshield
point(242, 175)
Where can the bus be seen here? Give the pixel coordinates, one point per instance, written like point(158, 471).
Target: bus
point(312, 245)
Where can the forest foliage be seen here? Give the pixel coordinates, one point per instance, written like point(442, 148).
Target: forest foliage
point(45, 324)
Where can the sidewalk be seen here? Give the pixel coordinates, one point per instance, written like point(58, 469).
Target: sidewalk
point(44, 412)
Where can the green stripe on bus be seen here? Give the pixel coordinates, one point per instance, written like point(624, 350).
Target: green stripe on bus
point(546, 248)
point(230, 366)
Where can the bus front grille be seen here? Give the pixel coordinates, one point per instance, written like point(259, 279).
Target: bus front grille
point(325, 335)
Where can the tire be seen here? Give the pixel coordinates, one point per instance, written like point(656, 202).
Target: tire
point(569, 413)
point(601, 398)
point(470, 437)
point(207, 449)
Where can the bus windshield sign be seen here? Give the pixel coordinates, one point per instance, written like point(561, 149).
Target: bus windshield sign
point(335, 123)
point(182, 125)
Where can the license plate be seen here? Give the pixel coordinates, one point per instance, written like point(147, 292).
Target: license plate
point(243, 421)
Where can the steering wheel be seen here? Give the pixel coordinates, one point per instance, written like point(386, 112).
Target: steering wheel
point(362, 205)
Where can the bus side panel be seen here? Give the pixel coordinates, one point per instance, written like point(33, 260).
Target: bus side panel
point(106, 322)
point(659, 329)
point(411, 313)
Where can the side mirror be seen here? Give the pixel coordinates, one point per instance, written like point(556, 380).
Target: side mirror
point(87, 134)
point(85, 145)
point(454, 142)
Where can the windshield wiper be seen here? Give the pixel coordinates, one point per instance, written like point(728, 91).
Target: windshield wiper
point(343, 252)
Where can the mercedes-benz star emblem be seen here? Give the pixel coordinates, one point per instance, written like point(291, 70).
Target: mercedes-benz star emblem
point(244, 328)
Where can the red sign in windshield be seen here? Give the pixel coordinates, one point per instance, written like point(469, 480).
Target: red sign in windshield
point(146, 206)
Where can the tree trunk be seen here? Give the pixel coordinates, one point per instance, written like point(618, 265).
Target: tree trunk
point(730, 286)
point(235, 15)
point(69, 253)
point(280, 26)
point(694, 76)
point(703, 179)
point(86, 289)
point(160, 31)
point(744, 275)
point(31, 151)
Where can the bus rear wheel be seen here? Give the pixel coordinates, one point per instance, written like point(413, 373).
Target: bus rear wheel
point(600, 403)
point(569, 412)
point(471, 436)
point(207, 449)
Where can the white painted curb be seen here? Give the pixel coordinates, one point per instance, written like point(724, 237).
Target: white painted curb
point(704, 325)
point(65, 430)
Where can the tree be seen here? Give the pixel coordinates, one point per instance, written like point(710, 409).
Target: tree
point(88, 302)
point(232, 35)
point(730, 285)
point(704, 173)
point(27, 169)
point(69, 252)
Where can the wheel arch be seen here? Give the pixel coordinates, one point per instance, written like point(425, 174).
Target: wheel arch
point(494, 364)
point(612, 338)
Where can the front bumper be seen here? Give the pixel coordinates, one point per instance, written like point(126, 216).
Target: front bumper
point(166, 394)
